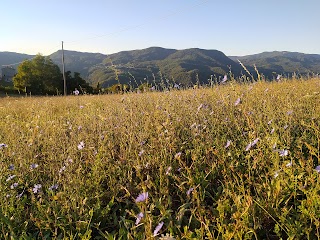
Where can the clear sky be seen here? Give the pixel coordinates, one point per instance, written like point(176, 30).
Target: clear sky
point(235, 27)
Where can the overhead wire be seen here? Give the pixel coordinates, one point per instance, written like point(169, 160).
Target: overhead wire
point(161, 18)
point(146, 22)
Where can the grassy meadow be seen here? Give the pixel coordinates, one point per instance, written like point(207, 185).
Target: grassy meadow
point(236, 161)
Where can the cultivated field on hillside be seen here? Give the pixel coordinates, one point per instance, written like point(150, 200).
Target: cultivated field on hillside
point(236, 161)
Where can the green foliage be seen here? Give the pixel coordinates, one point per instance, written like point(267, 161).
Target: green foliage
point(103, 151)
point(76, 82)
point(38, 76)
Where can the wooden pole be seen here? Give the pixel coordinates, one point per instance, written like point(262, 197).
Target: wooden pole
point(63, 73)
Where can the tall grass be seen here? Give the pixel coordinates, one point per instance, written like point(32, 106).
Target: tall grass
point(230, 162)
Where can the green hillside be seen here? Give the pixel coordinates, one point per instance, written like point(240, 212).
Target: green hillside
point(77, 61)
point(159, 64)
point(283, 62)
point(156, 64)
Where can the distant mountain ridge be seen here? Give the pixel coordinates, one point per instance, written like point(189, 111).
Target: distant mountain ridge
point(282, 62)
point(182, 66)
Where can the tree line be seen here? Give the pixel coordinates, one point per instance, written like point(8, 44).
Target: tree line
point(41, 76)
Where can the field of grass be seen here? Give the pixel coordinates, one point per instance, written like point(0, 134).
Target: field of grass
point(239, 161)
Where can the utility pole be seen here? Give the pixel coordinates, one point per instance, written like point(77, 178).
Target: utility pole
point(63, 73)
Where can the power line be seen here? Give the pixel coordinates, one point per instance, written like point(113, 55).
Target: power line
point(146, 22)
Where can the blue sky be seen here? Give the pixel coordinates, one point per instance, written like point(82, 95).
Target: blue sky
point(235, 27)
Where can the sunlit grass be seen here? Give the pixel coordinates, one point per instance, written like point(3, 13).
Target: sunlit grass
point(229, 162)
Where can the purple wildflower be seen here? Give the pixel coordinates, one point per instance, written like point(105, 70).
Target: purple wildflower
point(11, 167)
point(255, 142)
point(34, 166)
point(228, 144)
point(142, 197)
point(2, 145)
point(13, 186)
point(237, 101)
point(251, 144)
point(54, 187)
point(81, 145)
point(20, 194)
point(62, 169)
point(177, 155)
point(289, 112)
point(283, 153)
point(270, 122)
point(36, 188)
point(189, 191)
point(139, 217)
point(317, 169)
point(141, 153)
point(272, 131)
point(289, 164)
point(157, 229)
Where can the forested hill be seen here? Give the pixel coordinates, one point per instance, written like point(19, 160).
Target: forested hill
point(283, 62)
point(160, 64)
point(78, 61)
point(7, 58)
point(182, 66)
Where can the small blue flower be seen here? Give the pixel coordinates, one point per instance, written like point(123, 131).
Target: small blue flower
point(190, 191)
point(62, 169)
point(157, 229)
point(283, 153)
point(11, 167)
point(228, 144)
point(54, 187)
point(81, 145)
point(2, 145)
point(36, 188)
point(289, 164)
point(237, 101)
point(13, 186)
point(142, 197)
point(141, 153)
point(34, 166)
point(139, 217)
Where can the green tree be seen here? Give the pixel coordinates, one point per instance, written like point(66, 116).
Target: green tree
point(39, 76)
point(77, 82)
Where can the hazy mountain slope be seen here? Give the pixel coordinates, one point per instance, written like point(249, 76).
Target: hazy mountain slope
point(283, 62)
point(78, 61)
point(7, 58)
